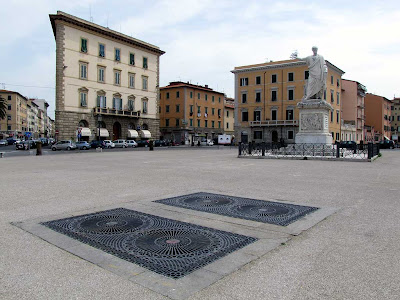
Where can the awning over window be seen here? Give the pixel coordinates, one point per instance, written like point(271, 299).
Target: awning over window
point(132, 133)
point(386, 138)
point(103, 132)
point(85, 131)
point(145, 134)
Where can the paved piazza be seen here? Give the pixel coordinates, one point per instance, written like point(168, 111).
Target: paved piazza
point(347, 249)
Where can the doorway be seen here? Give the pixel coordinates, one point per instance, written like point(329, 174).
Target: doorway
point(274, 136)
point(116, 130)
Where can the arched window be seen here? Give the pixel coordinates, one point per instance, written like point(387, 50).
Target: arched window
point(83, 123)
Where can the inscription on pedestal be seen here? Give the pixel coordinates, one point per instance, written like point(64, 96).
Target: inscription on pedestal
point(312, 122)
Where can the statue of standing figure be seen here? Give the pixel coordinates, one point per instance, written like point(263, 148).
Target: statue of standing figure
point(316, 83)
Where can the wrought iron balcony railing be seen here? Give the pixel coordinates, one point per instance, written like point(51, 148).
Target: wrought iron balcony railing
point(116, 112)
point(274, 123)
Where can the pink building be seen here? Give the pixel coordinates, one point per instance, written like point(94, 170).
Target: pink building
point(353, 97)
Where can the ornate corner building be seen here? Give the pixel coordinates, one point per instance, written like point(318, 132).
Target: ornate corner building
point(107, 83)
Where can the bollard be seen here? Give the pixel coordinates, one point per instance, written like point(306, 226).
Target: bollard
point(38, 148)
point(151, 146)
point(240, 148)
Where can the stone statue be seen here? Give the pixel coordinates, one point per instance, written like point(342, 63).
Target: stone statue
point(316, 83)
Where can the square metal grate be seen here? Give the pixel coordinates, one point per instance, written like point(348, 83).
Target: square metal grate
point(168, 247)
point(243, 208)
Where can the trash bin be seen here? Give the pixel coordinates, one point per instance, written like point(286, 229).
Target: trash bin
point(39, 148)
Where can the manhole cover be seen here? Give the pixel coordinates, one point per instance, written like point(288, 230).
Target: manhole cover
point(251, 209)
point(165, 246)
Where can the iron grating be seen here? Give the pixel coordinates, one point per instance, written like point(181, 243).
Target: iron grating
point(243, 208)
point(167, 247)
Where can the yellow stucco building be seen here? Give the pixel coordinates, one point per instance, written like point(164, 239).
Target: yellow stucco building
point(266, 97)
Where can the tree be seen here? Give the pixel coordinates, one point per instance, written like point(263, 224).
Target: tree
point(3, 108)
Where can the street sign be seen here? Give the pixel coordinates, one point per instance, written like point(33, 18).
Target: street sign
point(28, 134)
point(57, 132)
point(138, 127)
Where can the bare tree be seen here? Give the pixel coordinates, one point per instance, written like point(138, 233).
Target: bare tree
point(3, 108)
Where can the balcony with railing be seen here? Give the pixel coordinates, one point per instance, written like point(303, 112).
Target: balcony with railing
point(116, 112)
point(272, 123)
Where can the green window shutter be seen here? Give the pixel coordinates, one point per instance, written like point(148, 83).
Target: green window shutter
point(105, 101)
point(98, 101)
point(84, 45)
point(113, 102)
point(120, 103)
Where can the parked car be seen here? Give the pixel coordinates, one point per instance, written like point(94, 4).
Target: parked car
point(97, 144)
point(82, 145)
point(160, 143)
point(45, 141)
point(120, 143)
point(143, 143)
point(64, 145)
point(25, 145)
point(13, 141)
point(3, 142)
point(205, 142)
point(52, 141)
point(348, 144)
point(131, 143)
point(109, 144)
point(386, 144)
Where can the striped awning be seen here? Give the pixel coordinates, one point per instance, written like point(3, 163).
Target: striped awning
point(132, 133)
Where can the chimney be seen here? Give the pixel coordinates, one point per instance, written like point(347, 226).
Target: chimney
point(206, 86)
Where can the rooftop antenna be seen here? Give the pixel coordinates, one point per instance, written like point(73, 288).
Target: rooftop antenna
point(3, 85)
point(90, 13)
point(107, 20)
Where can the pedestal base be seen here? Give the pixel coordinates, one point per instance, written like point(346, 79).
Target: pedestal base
point(314, 122)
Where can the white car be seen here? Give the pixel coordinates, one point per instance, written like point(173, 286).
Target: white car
point(205, 142)
point(109, 144)
point(131, 143)
point(120, 144)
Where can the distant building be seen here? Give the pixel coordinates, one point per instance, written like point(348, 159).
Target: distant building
point(189, 112)
point(378, 115)
point(395, 122)
point(266, 96)
point(229, 116)
point(353, 95)
point(106, 82)
point(348, 131)
point(16, 122)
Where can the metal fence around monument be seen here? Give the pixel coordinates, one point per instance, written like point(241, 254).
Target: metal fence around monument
point(334, 151)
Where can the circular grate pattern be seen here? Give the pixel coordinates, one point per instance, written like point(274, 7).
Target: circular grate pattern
point(206, 201)
point(109, 224)
point(262, 210)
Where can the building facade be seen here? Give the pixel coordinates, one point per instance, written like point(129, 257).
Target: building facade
point(106, 82)
point(16, 122)
point(378, 116)
point(266, 97)
point(229, 116)
point(189, 113)
point(395, 121)
point(353, 106)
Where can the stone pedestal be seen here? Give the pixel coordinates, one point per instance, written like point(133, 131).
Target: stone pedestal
point(314, 122)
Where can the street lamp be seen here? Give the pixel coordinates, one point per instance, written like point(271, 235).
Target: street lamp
point(99, 119)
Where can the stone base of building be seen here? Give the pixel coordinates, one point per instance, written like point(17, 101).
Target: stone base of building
point(314, 122)
point(67, 123)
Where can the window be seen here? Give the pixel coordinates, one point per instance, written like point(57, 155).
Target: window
point(132, 59)
point(219, 99)
point(83, 98)
point(206, 110)
point(332, 79)
point(227, 125)
point(338, 82)
point(101, 101)
point(290, 76)
point(131, 104)
point(331, 116)
point(117, 77)
point(131, 80)
point(206, 123)
point(167, 122)
point(213, 99)
point(144, 105)
point(191, 94)
point(244, 81)
point(219, 113)
point(213, 111)
point(167, 95)
point(145, 82)
point(258, 79)
point(332, 98)
point(84, 45)
point(198, 95)
point(337, 136)
point(290, 94)
point(102, 52)
point(9, 118)
point(177, 108)
point(258, 96)
point(219, 124)
point(245, 116)
point(145, 66)
point(337, 116)
point(290, 134)
point(258, 135)
point(273, 95)
point(9, 107)
point(177, 94)
point(117, 54)
point(274, 114)
point(227, 113)
point(9, 97)
point(256, 115)
point(306, 74)
point(244, 97)
point(101, 73)
point(177, 122)
point(199, 109)
point(198, 123)
point(337, 97)
point(212, 124)
point(83, 70)
point(191, 109)
point(117, 103)
point(9, 127)
point(289, 114)
point(191, 122)
point(167, 108)
point(273, 78)
point(325, 95)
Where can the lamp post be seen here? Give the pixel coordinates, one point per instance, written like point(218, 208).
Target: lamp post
point(99, 119)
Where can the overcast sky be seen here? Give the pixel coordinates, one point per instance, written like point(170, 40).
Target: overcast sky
point(205, 39)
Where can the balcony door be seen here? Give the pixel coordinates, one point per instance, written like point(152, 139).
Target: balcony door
point(116, 130)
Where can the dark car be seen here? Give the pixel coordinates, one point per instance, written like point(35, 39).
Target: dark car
point(97, 144)
point(348, 144)
point(143, 143)
point(160, 143)
point(386, 144)
point(82, 145)
point(45, 142)
point(25, 145)
point(11, 141)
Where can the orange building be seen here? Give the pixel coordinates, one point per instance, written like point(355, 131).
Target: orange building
point(189, 112)
point(266, 97)
point(353, 94)
point(378, 115)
